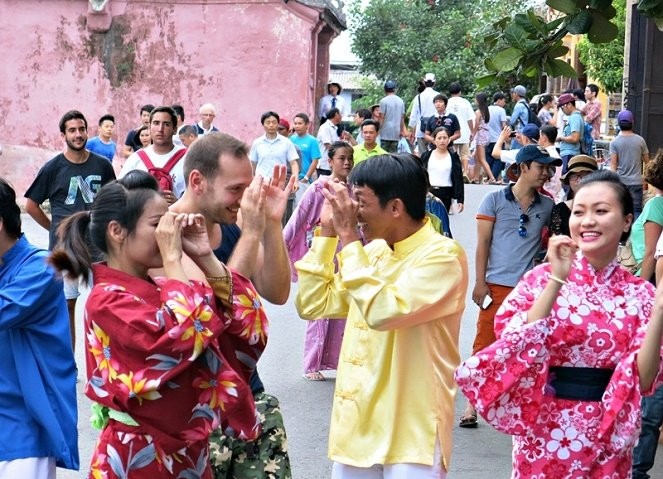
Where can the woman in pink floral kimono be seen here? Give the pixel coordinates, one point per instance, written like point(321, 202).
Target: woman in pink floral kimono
point(168, 359)
point(576, 350)
point(322, 344)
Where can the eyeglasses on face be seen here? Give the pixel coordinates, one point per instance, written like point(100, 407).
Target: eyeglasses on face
point(522, 231)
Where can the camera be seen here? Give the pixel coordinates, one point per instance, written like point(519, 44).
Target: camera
point(512, 134)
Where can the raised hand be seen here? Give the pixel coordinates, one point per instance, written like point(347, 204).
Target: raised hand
point(277, 193)
point(253, 207)
point(343, 211)
point(561, 251)
point(169, 237)
point(195, 242)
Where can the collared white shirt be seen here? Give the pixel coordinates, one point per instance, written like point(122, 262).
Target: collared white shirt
point(266, 153)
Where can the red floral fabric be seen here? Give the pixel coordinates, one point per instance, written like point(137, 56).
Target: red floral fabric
point(167, 354)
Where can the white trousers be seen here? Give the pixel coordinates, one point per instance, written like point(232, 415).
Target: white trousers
point(392, 471)
point(28, 468)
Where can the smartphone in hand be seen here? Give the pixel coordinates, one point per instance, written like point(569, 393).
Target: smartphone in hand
point(487, 301)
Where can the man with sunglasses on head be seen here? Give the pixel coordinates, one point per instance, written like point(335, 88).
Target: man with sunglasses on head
point(509, 226)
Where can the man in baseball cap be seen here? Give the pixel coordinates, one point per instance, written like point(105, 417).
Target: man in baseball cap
point(628, 154)
point(574, 126)
point(520, 114)
point(392, 118)
point(510, 218)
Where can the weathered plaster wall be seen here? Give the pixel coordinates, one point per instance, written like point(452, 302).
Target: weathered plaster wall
point(245, 57)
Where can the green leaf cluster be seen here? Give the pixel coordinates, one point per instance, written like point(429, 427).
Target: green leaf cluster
point(653, 9)
point(604, 62)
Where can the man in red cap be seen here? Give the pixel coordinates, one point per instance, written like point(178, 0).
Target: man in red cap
point(574, 126)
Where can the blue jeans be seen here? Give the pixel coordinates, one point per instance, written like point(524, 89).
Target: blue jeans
point(496, 166)
point(652, 419)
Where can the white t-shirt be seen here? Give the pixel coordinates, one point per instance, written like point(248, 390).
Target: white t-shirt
point(462, 108)
point(177, 173)
point(327, 134)
point(439, 170)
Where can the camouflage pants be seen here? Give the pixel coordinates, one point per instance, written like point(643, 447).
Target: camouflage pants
point(264, 458)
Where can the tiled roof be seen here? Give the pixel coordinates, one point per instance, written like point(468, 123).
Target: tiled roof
point(348, 79)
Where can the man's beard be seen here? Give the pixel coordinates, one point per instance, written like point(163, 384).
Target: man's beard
point(71, 146)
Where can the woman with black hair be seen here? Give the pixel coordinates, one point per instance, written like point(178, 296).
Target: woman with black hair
point(445, 171)
point(161, 353)
point(547, 112)
point(579, 344)
point(482, 137)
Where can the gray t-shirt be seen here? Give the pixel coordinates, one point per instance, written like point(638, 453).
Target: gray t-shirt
point(497, 116)
point(629, 150)
point(393, 109)
point(511, 255)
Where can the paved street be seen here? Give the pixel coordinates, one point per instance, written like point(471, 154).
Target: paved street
point(478, 454)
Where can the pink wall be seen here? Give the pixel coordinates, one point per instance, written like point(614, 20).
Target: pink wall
point(245, 57)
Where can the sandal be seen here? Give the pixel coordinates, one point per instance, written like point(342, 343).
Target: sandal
point(316, 376)
point(468, 421)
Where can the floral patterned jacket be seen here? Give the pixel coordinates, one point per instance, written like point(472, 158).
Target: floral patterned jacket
point(172, 357)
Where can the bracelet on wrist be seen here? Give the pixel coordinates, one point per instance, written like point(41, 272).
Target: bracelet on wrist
point(554, 278)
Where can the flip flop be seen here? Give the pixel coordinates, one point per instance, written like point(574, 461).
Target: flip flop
point(316, 376)
point(469, 421)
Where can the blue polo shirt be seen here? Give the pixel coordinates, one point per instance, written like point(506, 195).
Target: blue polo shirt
point(510, 255)
point(308, 145)
point(573, 123)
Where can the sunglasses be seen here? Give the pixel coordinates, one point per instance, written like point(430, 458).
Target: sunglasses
point(522, 231)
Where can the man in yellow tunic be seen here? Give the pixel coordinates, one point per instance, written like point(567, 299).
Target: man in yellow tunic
point(403, 294)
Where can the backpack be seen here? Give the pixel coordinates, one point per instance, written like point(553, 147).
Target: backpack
point(587, 140)
point(162, 175)
point(532, 117)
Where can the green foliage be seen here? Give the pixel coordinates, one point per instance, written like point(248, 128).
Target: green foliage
point(404, 39)
point(372, 94)
point(605, 61)
point(529, 45)
point(654, 9)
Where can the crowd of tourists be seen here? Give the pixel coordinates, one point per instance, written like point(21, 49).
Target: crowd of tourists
point(197, 229)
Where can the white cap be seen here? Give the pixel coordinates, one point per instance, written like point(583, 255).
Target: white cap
point(429, 77)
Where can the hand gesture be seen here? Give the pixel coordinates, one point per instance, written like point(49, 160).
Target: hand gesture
point(253, 207)
point(561, 251)
point(195, 242)
point(169, 197)
point(277, 193)
point(169, 237)
point(504, 135)
point(479, 292)
point(343, 211)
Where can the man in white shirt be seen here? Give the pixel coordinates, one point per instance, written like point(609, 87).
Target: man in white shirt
point(333, 99)
point(327, 134)
point(462, 108)
point(162, 125)
point(423, 107)
point(272, 149)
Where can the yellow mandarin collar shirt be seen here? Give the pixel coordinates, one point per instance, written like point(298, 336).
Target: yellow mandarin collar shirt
point(360, 153)
point(395, 387)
